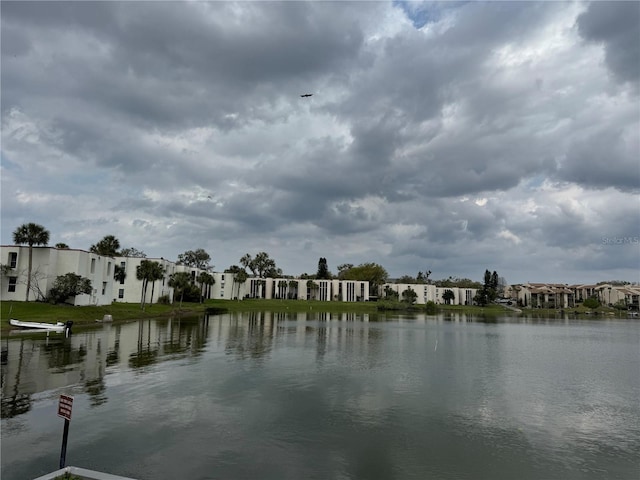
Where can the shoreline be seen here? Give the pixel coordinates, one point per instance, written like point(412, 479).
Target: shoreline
point(91, 315)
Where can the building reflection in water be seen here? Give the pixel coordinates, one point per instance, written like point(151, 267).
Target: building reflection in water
point(35, 363)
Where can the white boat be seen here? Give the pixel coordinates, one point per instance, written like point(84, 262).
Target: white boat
point(55, 327)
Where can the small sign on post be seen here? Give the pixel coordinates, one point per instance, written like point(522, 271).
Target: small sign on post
point(64, 410)
point(64, 406)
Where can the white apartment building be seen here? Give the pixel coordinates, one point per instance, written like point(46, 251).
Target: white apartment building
point(426, 293)
point(49, 263)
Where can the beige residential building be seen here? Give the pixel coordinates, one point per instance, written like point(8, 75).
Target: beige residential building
point(549, 295)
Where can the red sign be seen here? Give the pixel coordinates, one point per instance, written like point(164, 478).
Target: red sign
point(64, 406)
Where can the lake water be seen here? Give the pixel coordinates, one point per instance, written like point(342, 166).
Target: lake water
point(320, 396)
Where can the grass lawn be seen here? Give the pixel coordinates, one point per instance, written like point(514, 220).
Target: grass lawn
point(44, 312)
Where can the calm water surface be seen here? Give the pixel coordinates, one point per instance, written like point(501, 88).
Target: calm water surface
point(320, 396)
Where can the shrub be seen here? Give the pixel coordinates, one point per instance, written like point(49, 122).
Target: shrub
point(431, 308)
point(591, 302)
point(164, 300)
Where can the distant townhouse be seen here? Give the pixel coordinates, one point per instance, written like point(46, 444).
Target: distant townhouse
point(549, 295)
point(544, 295)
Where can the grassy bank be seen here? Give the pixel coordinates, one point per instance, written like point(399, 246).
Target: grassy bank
point(254, 305)
point(44, 312)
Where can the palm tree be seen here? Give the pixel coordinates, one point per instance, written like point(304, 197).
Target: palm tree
point(108, 246)
point(180, 281)
point(282, 288)
point(205, 279)
point(247, 262)
point(143, 273)
point(119, 274)
point(313, 288)
point(240, 277)
point(293, 289)
point(31, 234)
point(146, 272)
point(156, 272)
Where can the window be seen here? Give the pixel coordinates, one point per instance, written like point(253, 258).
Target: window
point(222, 277)
point(109, 268)
point(104, 288)
point(121, 293)
point(13, 259)
point(12, 284)
point(93, 265)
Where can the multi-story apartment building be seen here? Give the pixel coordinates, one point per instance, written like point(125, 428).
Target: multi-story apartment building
point(432, 293)
point(551, 295)
point(49, 263)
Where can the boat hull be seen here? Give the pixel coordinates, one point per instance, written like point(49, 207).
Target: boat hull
point(50, 327)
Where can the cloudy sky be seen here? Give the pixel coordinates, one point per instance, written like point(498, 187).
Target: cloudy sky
point(451, 137)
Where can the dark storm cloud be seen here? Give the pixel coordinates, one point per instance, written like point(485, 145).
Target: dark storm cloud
point(603, 160)
point(616, 25)
point(170, 64)
point(488, 135)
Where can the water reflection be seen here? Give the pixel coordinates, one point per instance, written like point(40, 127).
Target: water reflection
point(37, 363)
point(324, 395)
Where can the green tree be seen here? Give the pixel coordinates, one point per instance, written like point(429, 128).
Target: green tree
point(108, 246)
point(591, 302)
point(239, 276)
point(458, 282)
point(343, 269)
point(489, 290)
point(69, 285)
point(156, 272)
point(313, 288)
point(409, 296)
point(195, 258)
point(448, 296)
point(261, 266)
point(293, 289)
point(143, 272)
point(323, 270)
point(148, 271)
point(62, 246)
point(119, 274)
point(205, 279)
point(373, 273)
point(132, 252)
point(406, 279)
point(31, 234)
point(180, 282)
point(390, 293)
